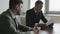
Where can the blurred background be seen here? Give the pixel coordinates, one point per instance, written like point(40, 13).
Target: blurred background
point(51, 8)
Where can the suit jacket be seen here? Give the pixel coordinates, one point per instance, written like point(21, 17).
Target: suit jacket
point(32, 18)
point(8, 25)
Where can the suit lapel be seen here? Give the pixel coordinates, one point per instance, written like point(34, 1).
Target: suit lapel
point(15, 21)
point(33, 12)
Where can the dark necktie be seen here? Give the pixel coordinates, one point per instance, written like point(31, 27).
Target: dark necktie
point(37, 14)
point(15, 22)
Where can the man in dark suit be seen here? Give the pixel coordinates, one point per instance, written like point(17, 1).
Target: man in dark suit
point(8, 22)
point(35, 14)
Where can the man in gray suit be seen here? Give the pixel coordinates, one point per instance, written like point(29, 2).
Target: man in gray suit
point(8, 22)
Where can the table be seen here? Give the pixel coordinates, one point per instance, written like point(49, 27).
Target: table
point(55, 30)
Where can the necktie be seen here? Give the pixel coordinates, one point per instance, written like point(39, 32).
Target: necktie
point(15, 22)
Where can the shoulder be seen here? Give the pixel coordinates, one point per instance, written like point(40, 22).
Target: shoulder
point(4, 16)
point(30, 10)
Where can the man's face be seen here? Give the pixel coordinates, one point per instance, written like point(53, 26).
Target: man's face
point(19, 8)
point(39, 7)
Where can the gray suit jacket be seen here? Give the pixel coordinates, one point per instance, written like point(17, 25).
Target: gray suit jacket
point(8, 25)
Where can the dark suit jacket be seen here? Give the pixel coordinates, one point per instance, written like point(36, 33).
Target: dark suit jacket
point(31, 17)
point(8, 25)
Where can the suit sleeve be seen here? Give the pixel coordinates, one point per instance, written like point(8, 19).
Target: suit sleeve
point(6, 26)
point(43, 18)
point(28, 18)
point(24, 28)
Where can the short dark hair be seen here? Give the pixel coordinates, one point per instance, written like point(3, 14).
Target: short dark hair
point(38, 2)
point(13, 3)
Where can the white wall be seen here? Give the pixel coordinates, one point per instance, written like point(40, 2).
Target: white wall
point(4, 4)
point(25, 5)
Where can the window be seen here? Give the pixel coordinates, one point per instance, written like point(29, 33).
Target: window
point(53, 6)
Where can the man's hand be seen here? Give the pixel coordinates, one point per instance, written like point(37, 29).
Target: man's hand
point(36, 30)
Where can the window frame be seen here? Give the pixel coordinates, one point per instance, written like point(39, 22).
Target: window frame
point(47, 9)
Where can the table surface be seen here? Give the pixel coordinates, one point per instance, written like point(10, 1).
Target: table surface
point(55, 30)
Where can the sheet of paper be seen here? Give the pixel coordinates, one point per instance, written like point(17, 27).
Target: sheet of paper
point(50, 20)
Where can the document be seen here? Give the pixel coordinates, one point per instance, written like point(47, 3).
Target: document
point(50, 21)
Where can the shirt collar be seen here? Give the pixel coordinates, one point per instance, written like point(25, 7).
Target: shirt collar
point(13, 16)
point(35, 10)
